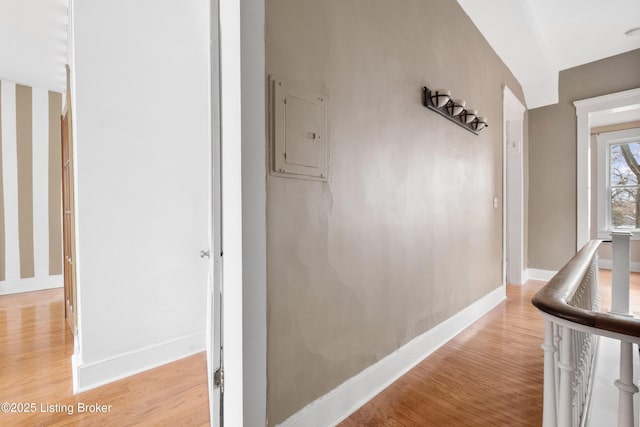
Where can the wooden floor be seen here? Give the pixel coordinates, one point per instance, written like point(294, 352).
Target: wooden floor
point(35, 369)
point(489, 375)
point(605, 292)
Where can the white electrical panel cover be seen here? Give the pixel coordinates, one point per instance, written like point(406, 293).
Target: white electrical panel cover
point(299, 132)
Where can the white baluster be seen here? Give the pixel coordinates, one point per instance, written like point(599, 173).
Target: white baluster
point(626, 386)
point(556, 357)
point(549, 415)
point(620, 305)
point(565, 398)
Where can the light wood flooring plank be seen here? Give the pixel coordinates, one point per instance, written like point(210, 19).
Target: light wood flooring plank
point(35, 367)
point(491, 374)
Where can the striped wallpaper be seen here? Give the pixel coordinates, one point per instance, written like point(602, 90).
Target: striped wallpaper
point(30, 189)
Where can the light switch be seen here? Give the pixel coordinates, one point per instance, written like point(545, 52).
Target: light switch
point(299, 123)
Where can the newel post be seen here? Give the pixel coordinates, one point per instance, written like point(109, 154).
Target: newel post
point(620, 272)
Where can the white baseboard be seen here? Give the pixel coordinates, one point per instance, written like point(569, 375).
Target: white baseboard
point(87, 376)
point(543, 275)
point(606, 264)
point(31, 284)
point(339, 403)
point(524, 276)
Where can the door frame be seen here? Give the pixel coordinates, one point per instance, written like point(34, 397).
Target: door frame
point(242, 101)
point(226, 127)
point(68, 210)
point(513, 206)
point(214, 288)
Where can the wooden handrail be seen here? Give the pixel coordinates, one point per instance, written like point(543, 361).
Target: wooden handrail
point(554, 297)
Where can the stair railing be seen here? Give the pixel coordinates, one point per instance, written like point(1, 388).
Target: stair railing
point(569, 303)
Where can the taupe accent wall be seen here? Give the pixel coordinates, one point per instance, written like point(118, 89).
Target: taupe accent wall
point(404, 234)
point(55, 184)
point(552, 156)
point(525, 172)
point(24, 129)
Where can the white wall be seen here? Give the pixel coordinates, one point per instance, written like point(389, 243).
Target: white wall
point(142, 135)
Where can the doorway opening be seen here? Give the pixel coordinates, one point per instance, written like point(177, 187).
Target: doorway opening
point(513, 189)
point(30, 208)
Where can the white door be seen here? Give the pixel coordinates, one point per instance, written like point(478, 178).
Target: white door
point(214, 296)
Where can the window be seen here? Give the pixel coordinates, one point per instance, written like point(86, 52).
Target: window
point(618, 181)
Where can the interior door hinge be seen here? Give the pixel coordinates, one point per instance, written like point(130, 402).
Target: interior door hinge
point(218, 378)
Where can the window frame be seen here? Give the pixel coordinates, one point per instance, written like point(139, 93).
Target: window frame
point(604, 141)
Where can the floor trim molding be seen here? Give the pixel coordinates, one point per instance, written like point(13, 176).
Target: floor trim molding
point(345, 399)
point(91, 375)
point(606, 264)
point(31, 284)
point(542, 275)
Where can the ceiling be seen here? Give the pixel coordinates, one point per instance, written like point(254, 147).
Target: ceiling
point(535, 38)
point(538, 38)
point(33, 43)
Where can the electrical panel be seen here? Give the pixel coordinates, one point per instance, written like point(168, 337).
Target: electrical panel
point(298, 131)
